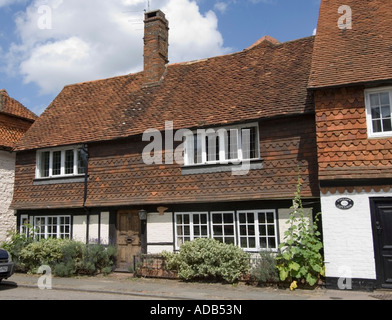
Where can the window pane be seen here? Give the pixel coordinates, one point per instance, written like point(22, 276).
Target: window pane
point(263, 243)
point(69, 162)
point(376, 113)
point(218, 230)
point(261, 217)
point(386, 112)
point(374, 100)
point(377, 126)
point(81, 164)
point(44, 170)
point(271, 243)
point(212, 147)
point(249, 143)
point(232, 145)
point(387, 126)
point(384, 99)
point(270, 217)
point(228, 218)
point(56, 163)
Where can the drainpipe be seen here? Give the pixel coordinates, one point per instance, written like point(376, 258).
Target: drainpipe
point(85, 157)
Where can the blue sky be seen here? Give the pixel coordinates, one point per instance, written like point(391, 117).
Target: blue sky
point(47, 44)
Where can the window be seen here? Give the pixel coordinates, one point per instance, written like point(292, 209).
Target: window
point(379, 112)
point(52, 227)
point(190, 226)
point(257, 230)
point(59, 163)
point(223, 228)
point(222, 146)
point(252, 230)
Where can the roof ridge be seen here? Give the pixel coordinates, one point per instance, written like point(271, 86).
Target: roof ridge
point(103, 79)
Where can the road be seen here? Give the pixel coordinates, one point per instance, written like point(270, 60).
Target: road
point(10, 291)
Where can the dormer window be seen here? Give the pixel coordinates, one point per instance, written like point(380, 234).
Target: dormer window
point(379, 112)
point(59, 162)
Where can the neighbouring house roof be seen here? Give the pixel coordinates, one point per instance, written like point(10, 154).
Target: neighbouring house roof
point(352, 56)
point(15, 120)
point(266, 80)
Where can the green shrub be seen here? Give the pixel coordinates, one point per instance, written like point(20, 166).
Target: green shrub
point(67, 257)
point(208, 260)
point(265, 270)
point(15, 245)
point(43, 252)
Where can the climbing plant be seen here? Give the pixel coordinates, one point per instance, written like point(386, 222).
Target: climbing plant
point(300, 258)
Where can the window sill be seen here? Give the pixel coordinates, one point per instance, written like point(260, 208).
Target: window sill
point(58, 180)
point(254, 164)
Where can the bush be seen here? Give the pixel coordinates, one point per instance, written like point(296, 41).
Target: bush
point(43, 252)
point(265, 270)
point(67, 257)
point(15, 245)
point(209, 259)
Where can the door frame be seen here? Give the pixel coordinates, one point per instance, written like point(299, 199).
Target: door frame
point(380, 272)
point(142, 228)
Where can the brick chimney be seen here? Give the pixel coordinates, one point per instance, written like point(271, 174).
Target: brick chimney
point(156, 46)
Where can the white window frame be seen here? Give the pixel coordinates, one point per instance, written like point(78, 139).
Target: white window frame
point(191, 226)
point(45, 234)
point(258, 235)
point(189, 148)
point(63, 150)
point(369, 118)
point(223, 224)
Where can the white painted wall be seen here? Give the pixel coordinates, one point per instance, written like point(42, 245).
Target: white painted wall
point(159, 230)
point(79, 228)
point(348, 236)
point(7, 177)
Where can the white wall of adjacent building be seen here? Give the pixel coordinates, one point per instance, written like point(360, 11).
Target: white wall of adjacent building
point(7, 178)
point(348, 235)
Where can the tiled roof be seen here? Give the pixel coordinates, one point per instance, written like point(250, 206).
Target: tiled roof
point(357, 55)
point(13, 107)
point(266, 80)
point(15, 120)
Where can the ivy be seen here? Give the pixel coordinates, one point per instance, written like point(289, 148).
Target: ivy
point(300, 258)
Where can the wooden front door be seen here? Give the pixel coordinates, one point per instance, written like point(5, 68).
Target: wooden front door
point(128, 238)
point(382, 234)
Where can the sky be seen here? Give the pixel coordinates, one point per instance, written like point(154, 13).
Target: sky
point(48, 44)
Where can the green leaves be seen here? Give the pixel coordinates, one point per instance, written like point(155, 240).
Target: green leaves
point(208, 259)
point(300, 254)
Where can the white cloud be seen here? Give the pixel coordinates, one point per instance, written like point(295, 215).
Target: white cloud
point(93, 39)
point(221, 6)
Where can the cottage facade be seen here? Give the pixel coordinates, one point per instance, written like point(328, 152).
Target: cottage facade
point(209, 148)
point(213, 148)
point(15, 120)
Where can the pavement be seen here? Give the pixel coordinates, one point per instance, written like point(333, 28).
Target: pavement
point(126, 284)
